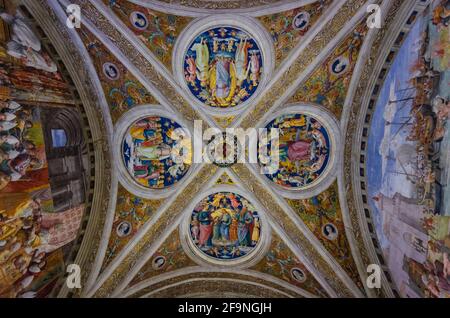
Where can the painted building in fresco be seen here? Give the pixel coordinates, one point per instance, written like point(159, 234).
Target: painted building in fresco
point(87, 170)
point(409, 146)
point(42, 174)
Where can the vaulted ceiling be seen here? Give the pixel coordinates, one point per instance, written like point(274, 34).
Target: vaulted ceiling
point(155, 257)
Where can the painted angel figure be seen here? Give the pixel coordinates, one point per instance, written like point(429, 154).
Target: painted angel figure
point(31, 57)
point(241, 61)
point(202, 61)
point(255, 68)
point(191, 70)
point(21, 31)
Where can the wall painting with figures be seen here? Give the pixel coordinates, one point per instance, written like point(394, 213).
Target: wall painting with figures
point(31, 231)
point(408, 160)
point(39, 218)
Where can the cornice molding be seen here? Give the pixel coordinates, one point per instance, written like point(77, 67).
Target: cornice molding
point(200, 8)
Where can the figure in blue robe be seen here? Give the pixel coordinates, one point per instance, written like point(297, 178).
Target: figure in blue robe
point(223, 80)
point(245, 219)
point(225, 226)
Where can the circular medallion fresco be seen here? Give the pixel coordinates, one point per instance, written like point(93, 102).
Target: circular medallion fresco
point(224, 150)
point(139, 20)
point(225, 226)
point(301, 21)
point(111, 71)
point(303, 151)
point(298, 275)
point(124, 229)
point(156, 152)
point(223, 67)
point(330, 231)
point(340, 65)
point(158, 262)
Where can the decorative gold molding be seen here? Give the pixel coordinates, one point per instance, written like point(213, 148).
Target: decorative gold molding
point(172, 213)
point(208, 288)
point(224, 4)
point(152, 75)
point(292, 231)
point(320, 41)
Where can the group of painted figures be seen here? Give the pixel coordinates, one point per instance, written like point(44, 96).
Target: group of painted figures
point(304, 148)
point(25, 45)
point(223, 67)
point(24, 228)
point(225, 226)
point(149, 149)
point(18, 154)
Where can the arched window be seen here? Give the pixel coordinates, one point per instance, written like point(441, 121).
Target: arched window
point(59, 138)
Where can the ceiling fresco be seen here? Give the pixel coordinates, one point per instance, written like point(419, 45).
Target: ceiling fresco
point(282, 263)
point(147, 149)
point(122, 90)
point(304, 150)
point(225, 226)
point(169, 257)
point(131, 214)
point(106, 147)
point(223, 67)
point(157, 31)
point(323, 216)
point(289, 27)
point(329, 84)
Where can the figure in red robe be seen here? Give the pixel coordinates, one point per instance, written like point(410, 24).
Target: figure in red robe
point(299, 150)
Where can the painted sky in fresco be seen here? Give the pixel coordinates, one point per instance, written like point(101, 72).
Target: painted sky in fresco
point(397, 78)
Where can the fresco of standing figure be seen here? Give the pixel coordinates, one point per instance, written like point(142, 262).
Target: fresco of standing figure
point(202, 61)
point(225, 226)
point(21, 31)
point(191, 70)
point(241, 60)
point(255, 68)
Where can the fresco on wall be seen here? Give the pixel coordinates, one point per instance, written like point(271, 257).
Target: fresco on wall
point(169, 257)
point(329, 83)
point(225, 226)
point(26, 70)
point(323, 216)
point(223, 67)
point(304, 150)
point(157, 30)
point(281, 263)
point(132, 212)
point(149, 150)
point(122, 90)
point(408, 160)
point(30, 84)
point(31, 234)
point(289, 27)
point(24, 45)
